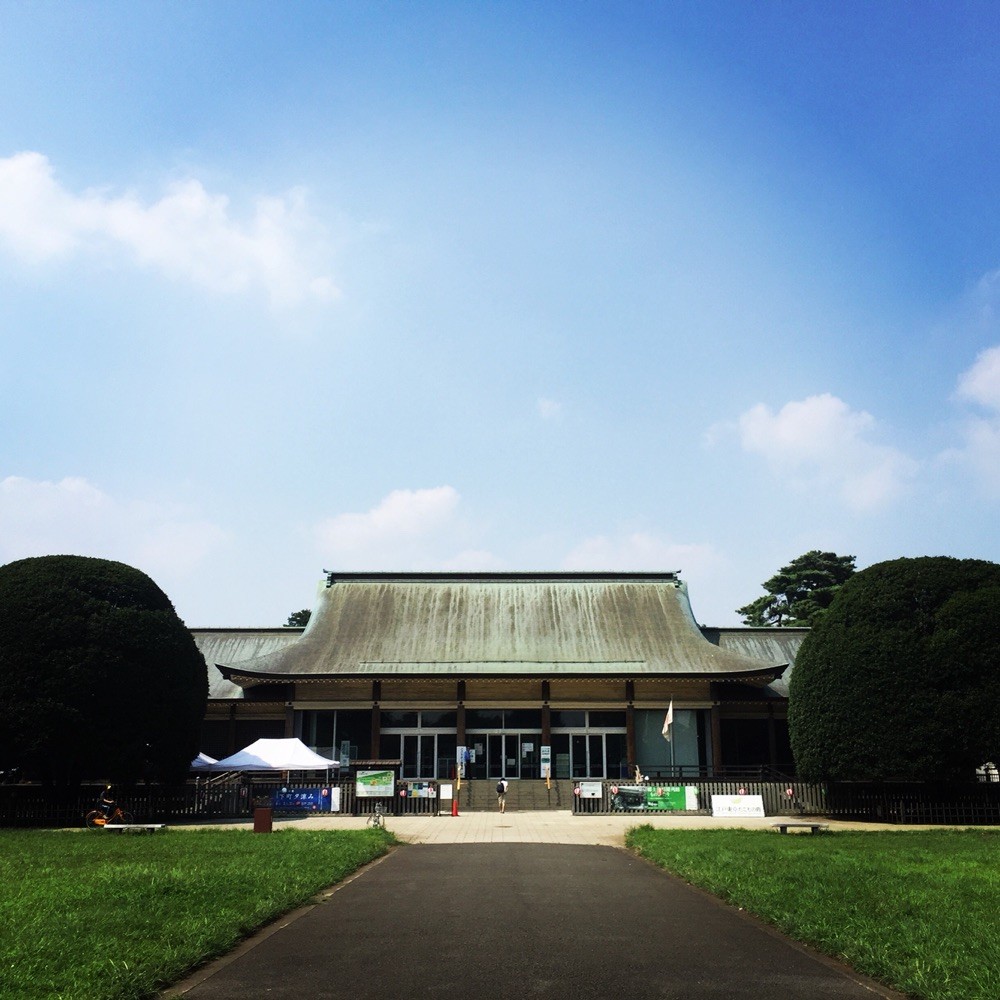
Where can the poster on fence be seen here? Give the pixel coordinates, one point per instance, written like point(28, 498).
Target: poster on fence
point(374, 784)
point(307, 799)
point(421, 790)
point(674, 797)
point(737, 805)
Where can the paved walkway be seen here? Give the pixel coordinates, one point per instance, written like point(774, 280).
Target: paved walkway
point(542, 827)
point(516, 906)
point(511, 921)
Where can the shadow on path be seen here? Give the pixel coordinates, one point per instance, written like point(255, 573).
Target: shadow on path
point(516, 921)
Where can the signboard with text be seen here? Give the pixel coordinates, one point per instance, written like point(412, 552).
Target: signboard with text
point(665, 797)
point(737, 805)
point(374, 784)
point(307, 799)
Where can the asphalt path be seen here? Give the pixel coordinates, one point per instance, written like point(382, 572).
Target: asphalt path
point(518, 921)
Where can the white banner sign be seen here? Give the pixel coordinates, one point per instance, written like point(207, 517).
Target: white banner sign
point(737, 805)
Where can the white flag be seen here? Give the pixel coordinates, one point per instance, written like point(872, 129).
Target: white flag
point(668, 721)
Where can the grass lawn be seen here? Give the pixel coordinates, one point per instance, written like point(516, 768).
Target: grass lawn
point(919, 911)
point(91, 914)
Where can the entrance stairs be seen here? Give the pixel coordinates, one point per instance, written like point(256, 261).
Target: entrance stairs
point(523, 795)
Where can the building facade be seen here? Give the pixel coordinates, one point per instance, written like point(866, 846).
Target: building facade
point(571, 672)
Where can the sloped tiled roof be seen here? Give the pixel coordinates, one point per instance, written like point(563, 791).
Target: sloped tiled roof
point(544, 624)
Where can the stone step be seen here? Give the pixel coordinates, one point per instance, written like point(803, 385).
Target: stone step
point(479, 795)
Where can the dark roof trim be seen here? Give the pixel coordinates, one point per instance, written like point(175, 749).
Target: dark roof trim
point(333, 577)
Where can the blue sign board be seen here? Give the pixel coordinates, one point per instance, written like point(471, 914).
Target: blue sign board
point(307, 799)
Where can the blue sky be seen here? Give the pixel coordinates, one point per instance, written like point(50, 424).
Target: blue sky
point(520, 286)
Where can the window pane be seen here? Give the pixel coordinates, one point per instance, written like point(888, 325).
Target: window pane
point(578, 745)
point(355, 726)
point(617, 762)
point(446, 755)
point(390, 745)
point(568, 718)
point(560, 755)
point(484, 718)
point(427, 755)
point(399, 720)
point(522, 718)
point(439, 720)
point(410, 759)
point(607, 720)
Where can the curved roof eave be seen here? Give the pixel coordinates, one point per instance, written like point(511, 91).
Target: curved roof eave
point(557, 624)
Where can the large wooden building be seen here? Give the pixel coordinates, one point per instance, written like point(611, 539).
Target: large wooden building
point(576, 670)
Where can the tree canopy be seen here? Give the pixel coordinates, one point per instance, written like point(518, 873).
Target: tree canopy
point(894, 680)
point(98, 675)
point(298, 619)
point(800, 592)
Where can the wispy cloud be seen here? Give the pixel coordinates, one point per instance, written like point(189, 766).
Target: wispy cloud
point(74, 517)
point(637, 551)
point(549, 409)
point(406, 529)
point(821, 444)
point(980, 447)
point(188, 234)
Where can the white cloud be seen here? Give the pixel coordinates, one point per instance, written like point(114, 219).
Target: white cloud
point(187, 234)
point(820, 444)
point(407, 527)
point(549, 409)
point(636, 552)
point(981, 383)
point(76, 518)
point(474, 561)
point(980, 447)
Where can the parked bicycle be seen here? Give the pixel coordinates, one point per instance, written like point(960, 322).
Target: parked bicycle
point(97, 818)
point(377, 816)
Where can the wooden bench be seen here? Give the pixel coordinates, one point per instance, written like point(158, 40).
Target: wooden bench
point(800, 825)
point(134, 827)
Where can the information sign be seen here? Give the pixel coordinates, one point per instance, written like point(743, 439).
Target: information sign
point(680, 797)
point(737, 805)
point(306, 799)
point(545, 760)
point(374, 784)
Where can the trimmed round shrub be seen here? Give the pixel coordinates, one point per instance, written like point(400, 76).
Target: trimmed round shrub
point(98, 675)
point(898, 678)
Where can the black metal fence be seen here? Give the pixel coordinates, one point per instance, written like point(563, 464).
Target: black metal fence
point(198, 801)
point(976, 803)
point(780, 798)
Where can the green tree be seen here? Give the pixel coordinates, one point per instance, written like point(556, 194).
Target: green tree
point(98, 675)
point(895, 680)
point(298, 619)
point(800, 592)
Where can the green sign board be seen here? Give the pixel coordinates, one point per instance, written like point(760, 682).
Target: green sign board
point(374, 784)
point(670, 797)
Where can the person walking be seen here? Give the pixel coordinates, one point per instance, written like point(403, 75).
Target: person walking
point(502, 794)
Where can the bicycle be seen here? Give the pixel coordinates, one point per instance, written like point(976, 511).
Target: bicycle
point(97, 818)
point(376, 818)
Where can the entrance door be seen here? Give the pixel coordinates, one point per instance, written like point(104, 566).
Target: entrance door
point(503, 755)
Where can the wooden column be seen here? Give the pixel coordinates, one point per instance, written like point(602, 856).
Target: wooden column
point(460, 720)
point(376, 750)
point(231, 735)
point(546, 716)
point(630, 751)
point(289, 721)
point(772, 737)
point(716, 735)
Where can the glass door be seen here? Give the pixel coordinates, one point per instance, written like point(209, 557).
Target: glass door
point(494, 755)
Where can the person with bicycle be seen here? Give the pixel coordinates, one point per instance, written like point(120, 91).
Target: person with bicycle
point(107, 801)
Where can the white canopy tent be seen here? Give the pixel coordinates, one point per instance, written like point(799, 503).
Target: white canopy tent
point(202, 762)
point(275, 755)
